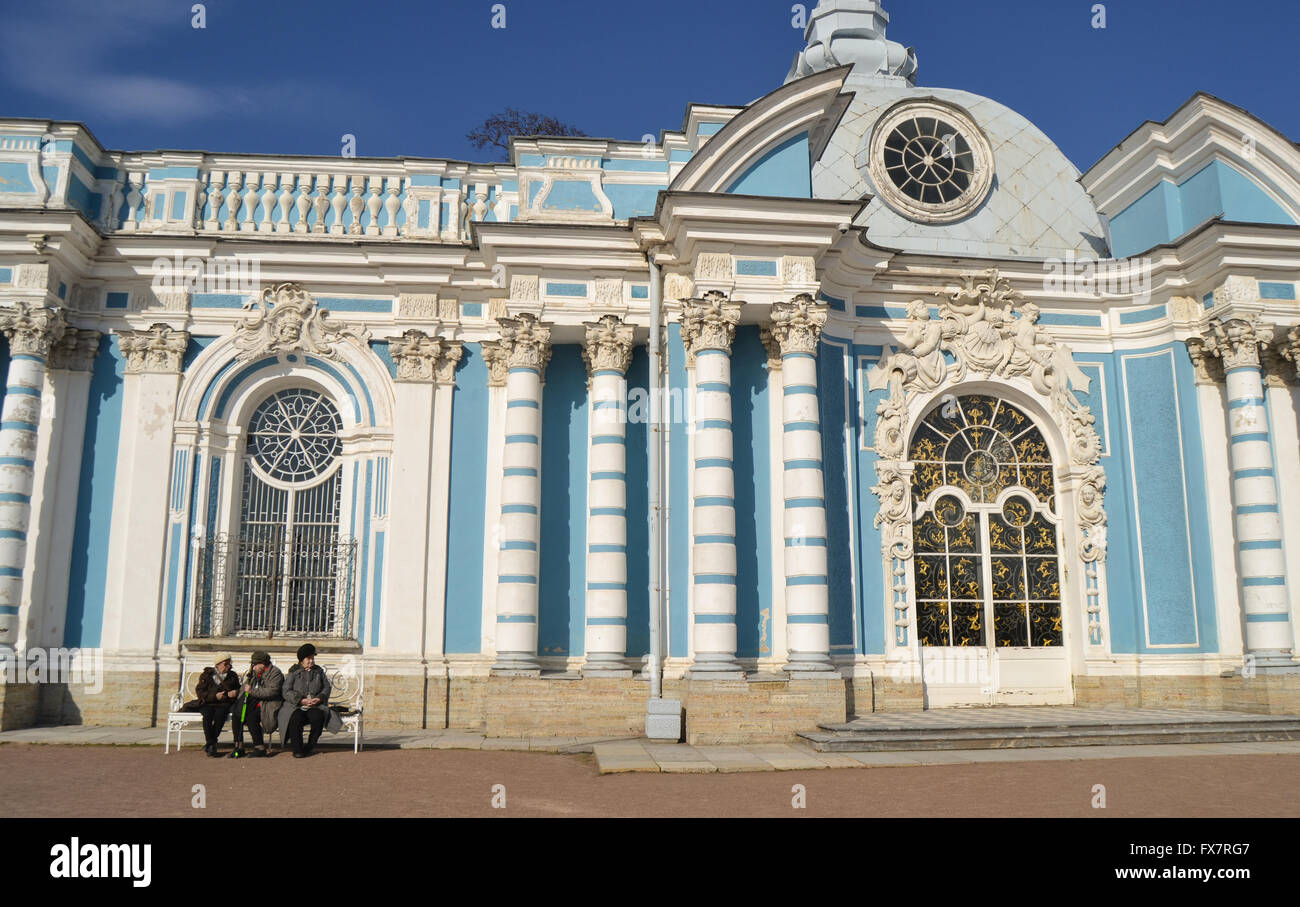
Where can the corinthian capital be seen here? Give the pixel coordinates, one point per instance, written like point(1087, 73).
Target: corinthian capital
point(75, 351)
point(709, 323)
point(159, 350)
point(420, 357)
point(32, 330)
point(608, 346)
point(1209, 368)
point(797, 325)
point(526, 341)
point(1237, 340)
point(1289, 348)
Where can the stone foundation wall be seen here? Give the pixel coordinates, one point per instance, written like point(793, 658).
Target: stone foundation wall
point(1270, 694)
point(395, 700)
point(758, 711)
point(19, 705)
point(761, 708)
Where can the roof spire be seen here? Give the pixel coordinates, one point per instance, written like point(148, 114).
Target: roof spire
point(841, 32)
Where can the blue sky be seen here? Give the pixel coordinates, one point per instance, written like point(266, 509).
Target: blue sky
point(411, 78)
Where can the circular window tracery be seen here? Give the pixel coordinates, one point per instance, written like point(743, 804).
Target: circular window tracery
point(294, 435)
point(930, 162)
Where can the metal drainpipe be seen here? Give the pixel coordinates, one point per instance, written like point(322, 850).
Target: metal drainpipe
point(663, 716)
point(656, 479)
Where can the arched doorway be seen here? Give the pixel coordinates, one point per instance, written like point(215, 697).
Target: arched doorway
point(987, 564)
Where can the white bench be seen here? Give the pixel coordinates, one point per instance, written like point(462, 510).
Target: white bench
point(346, 690)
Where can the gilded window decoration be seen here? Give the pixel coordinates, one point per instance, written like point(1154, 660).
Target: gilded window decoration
point(984, 564)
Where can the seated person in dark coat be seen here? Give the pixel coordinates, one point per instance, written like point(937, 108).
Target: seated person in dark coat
point(217, 689)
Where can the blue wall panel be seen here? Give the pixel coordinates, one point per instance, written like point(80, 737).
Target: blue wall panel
point(638, 512)
point(834, 373)
point(752, 455)
point(1169, 514)
point(93, 516)
point(563, 590)
point(679, 551)
point(875, 615)
point(469, 440)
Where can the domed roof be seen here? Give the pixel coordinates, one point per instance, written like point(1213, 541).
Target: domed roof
point(947, 171)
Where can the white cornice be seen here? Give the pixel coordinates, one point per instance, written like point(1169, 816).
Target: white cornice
point(1203, 130)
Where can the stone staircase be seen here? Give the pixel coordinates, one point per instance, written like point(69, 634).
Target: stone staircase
point(1011, 728)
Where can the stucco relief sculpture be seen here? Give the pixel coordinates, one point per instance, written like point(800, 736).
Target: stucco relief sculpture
point(286, 319)
point(983, 330)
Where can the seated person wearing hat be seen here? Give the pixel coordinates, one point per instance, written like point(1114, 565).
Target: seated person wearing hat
point(260, 697)
point(217, 689)
point(307, 701)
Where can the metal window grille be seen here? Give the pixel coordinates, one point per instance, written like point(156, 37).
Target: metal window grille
point(288, 572)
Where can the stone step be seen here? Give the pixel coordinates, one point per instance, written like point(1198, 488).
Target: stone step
point(858, 740)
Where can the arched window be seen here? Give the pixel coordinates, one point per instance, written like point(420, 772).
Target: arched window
point(292, 571)
point(985, 531)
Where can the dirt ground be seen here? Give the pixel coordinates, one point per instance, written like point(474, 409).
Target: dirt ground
point(136, 781)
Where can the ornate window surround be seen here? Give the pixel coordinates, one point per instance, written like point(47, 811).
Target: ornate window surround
point(997, 349)
point(237, 372)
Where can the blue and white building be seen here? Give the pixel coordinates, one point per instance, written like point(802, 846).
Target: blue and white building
point(944, 422)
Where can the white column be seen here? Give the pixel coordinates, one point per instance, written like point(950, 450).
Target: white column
point(71, 362)
point(423, 362)
point(1262, 561)
point(708, 330)
point(527, 346)
point(31, 332)
point(797, 327)
point(141, 492)
point(608, 353)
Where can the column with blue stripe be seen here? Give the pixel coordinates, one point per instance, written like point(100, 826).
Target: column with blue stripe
point(608, 353)
point(797, 327)
point(31, 331)
point(708, 330)
point(1261, 560)
point(527, 348)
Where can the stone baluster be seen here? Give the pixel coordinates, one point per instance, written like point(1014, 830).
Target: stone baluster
point(215, 195)
point(708, 330)
point(356, 205)
point(200, 201)
point(282, 224)
point(411, 206)
point(339, 203)
point(133, 199)
point(796, 327)
point(320, 204)
point(608, 353)
point(234, 200)
point(392, 204)
point(250, 204)
point(267, 222)
point(526, 345)
point(374, 202)
point(113, 200)
point(31, 331)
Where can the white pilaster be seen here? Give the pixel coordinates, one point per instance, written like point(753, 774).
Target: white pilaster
point(137, 538)
point(608, 352)
point(31, 332)
point(422, 363)
point(49, 556)
point(527, 345)
point(1260, 556)
point(797, 327)
point(708, 330)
